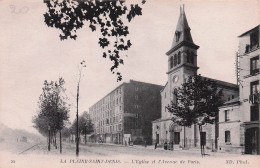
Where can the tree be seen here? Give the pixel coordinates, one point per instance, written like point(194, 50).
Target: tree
point(66, 132)
point(52, 109)
point(85, 125)
point(196, 102)
point(106, 15)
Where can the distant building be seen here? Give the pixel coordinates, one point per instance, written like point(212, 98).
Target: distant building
point(239, 118)
point(182, 63)
point(125, 114)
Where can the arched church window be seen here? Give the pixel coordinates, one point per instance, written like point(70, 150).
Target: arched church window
point(179, 57)
point(171, 62)
point(175, 60)
point(175, 96)
point(188, 56)
point(192, 58)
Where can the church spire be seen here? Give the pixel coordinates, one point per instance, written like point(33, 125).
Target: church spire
point(182, 34)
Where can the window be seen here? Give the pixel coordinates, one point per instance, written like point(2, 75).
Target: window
point(254, 65)
point(179, 57)
point(192, 58)
point(165, 95)
point(254, 92)
point(171, 62)
point(254, 87)
point(136, 97)
point(227, 136)
point(254, 40)
point(177, 35)
point(175, 60)
point(136, 88)
point(188, 56)
point(227, 115)
point(254, 113)
point(175, 96)
point(119, 127)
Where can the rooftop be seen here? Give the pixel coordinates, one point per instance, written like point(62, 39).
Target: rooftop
point(249, 31)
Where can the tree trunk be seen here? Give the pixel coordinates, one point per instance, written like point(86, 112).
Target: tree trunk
point(85, 138)
point(60, 143)
point(184, 144)
point(54, 140)
point(195, 135)
point(201, 145)
point(216, 132)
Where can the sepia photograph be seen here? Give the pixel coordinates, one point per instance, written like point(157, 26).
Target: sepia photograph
point(129, 83)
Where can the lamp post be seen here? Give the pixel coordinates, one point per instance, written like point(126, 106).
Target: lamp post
point(49, 145)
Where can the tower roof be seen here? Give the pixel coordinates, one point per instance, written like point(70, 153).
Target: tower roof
point(182, 34)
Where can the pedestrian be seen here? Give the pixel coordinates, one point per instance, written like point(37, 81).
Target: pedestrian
point(155, 146)
point(145, 143)
point(172, 145)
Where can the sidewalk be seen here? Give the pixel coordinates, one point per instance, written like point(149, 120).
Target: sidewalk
point(196, 151)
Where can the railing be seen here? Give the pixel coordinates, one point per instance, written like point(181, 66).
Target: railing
point(251, 47)
point(254, 98)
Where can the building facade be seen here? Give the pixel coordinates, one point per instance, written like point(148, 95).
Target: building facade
point(249, 52)
point(182, 63)
point(125, 114)
point(241, 129)
point(230, 132)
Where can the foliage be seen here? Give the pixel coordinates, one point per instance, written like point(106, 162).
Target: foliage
point(53, 109)
point(197, 102)
point(107, 15)
point(66, 132)
point(85, 124)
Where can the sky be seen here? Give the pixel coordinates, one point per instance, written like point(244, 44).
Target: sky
point(31, 52)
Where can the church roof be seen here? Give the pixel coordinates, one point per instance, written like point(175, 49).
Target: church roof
point(224, 84)
point(232, 102)
point(182, 34)
point(182, 28)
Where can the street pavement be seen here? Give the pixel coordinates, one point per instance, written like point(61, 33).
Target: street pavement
point(105, 149)
point(104, 155)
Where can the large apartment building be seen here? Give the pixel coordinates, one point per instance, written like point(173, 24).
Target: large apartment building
point(125, 114)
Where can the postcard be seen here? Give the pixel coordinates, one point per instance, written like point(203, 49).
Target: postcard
point(129, 83)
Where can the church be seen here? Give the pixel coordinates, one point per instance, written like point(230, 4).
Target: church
point(182, 63)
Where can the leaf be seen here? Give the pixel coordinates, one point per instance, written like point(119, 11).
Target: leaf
point(93, 28)
point(104, 55)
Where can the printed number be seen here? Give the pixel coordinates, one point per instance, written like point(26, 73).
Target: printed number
point(12, 161)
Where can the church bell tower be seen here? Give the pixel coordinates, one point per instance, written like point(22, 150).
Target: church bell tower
point(182, 57)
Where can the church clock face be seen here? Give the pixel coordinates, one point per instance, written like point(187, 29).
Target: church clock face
point(175, 79)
